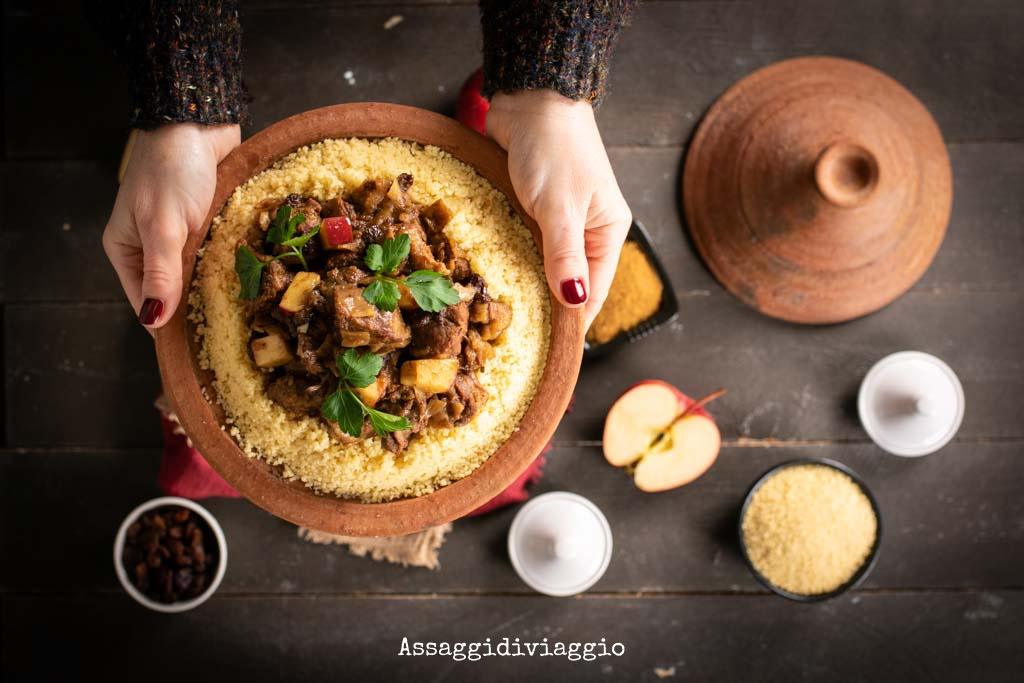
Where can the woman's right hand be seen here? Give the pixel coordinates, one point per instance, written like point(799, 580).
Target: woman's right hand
point(165, 195)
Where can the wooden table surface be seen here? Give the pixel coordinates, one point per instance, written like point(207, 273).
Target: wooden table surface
point(80, 441)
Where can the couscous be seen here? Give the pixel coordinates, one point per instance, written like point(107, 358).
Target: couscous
point(490, 237)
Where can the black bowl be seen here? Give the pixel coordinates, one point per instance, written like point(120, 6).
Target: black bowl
point(864, 569)
point(667, 311)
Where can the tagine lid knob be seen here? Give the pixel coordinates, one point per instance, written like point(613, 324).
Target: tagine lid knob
point(911, 403)
point(817, 189)
point(560, 543)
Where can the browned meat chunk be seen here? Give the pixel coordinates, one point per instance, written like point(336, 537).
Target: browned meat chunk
point(306, 350)
point(308, 207)
point(297, 396)
point(460, 404)
point(276, 279)
point(408, 403)
point(360, 323)
point(370, 195)
point(439, 335)
point(494, 317)
point(436, 216)
point(475, 352)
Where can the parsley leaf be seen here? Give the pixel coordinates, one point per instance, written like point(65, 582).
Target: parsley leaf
point(394, 251)
point(276, 233)
point(346, 409)
point(359, 370)
point(374, 257)
point(301, 240)
point(432, 291)
point(382, 294)
point(284, 225)
point(250, 272)
point(385, 422)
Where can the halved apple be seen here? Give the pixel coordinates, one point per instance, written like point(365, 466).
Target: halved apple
point(669, 438)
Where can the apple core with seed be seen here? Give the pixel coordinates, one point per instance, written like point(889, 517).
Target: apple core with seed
point(666, 436)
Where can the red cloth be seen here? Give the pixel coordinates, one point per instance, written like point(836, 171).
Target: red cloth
point(184, 472)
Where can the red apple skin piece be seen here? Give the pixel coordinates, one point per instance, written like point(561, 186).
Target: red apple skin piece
point(335, 231)
point(690, 448)
point(471, 107)
point(636, 418)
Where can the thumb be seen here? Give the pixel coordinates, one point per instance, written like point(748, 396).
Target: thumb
point(163, 238)
point(565, 258)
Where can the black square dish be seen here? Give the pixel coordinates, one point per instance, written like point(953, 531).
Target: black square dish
point(667, 311)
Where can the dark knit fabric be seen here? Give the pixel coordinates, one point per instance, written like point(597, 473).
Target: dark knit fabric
point(183, 58)
point(562, 45)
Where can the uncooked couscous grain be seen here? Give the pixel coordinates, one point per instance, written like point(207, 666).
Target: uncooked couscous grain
point(809, 528)
point(498, 246)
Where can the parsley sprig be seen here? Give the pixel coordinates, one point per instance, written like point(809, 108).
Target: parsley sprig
point(249, 267)
point(346, 408)
point(432, 291)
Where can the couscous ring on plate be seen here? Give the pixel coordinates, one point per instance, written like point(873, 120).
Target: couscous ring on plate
point(496, 243)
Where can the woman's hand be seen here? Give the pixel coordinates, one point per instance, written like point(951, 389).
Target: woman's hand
point(563, 179)
point(165, 194)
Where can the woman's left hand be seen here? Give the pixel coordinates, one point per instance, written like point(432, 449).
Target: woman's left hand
point(563, 179)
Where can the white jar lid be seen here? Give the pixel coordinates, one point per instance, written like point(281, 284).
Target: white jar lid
point(911, 403)
point(560, 543)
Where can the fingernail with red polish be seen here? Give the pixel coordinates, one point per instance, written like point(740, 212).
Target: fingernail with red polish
point(151, 310)
point(573, 290)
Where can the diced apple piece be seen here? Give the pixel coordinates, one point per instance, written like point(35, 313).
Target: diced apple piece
point(683, 454)
point(335, 232)
point(405, 300)
point(352, 338)
point(396, 194)
point(271, 351)
point(431, 376)
point(297, 295)
point(635, 421)
point(371, 393)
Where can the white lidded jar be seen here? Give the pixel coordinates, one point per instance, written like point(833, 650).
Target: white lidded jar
point(560, 543)
point(911, 403)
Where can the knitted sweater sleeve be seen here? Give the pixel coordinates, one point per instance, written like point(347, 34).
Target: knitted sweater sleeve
point(182, 57)
point(563, 45)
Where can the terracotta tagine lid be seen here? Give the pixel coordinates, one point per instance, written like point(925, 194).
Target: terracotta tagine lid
point(817, 189)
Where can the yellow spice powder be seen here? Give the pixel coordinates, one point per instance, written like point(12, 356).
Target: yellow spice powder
point(809, 528)
point(635, 296)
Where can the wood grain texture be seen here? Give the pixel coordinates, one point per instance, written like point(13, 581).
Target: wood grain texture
point(969, 636)
point(676, 58)
point(952, 520)
point(79, 374)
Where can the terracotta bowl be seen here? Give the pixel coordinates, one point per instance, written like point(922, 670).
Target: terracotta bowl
point(187, 386)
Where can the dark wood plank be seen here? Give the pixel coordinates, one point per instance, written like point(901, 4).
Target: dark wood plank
point(79, 374)
point(958, 59)
point(65, 96)
point(952, 520)
point(421, 62)
point(911, 637)
point(789, 382)
point(677, 58)
point(68, 231)
point(671, 64)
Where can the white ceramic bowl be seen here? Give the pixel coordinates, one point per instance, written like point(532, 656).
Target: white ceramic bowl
point(222, 556)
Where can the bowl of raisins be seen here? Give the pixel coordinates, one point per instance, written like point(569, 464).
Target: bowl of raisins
point(170, 554)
